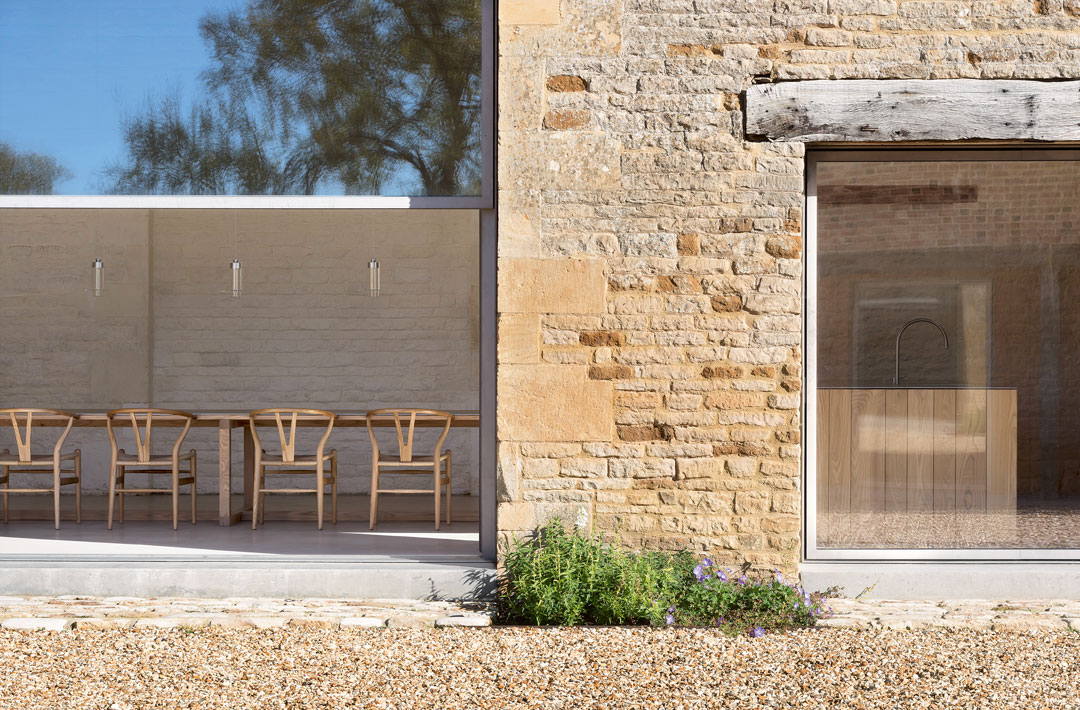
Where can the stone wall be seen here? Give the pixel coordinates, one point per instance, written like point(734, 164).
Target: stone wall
point(650, 256)
point(167, 333)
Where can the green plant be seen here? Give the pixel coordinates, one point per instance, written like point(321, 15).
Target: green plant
point(571, 578)
point(741, 604)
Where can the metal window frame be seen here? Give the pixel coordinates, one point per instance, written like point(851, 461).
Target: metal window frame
point(814, 157)
point(485, 204)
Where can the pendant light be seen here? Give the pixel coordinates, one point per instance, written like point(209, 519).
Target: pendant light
point(97, 268)
point(374, 278)
point(98, 276)
point(236, 267)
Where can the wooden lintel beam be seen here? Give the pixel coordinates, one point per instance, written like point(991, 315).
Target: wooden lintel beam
point(914, 110)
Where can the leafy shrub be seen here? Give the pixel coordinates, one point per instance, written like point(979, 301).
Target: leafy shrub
point(569, 578)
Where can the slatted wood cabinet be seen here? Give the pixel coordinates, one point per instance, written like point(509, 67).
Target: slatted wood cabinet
point(916, 450)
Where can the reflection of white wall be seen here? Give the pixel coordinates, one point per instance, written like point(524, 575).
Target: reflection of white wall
point(305, 332)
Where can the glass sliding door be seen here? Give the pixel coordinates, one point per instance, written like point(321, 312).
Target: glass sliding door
point(943, 338)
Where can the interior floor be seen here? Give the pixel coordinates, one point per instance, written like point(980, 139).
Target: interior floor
point(279, 538)
point(1036, 524)
point(405, 529)
point(351, 507)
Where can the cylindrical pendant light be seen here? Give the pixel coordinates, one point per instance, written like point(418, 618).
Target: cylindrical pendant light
point(374, 278)
point(98, 277)
point(97, 268)
point(237, 278)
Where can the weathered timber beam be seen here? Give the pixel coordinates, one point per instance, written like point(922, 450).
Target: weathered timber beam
point(914, 110)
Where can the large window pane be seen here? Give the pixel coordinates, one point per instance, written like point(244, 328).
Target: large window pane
point(231, 97)
point(947, 332)
point(306, 331)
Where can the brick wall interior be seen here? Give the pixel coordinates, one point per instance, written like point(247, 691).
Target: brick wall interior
point(650, 256)
point(167, 331)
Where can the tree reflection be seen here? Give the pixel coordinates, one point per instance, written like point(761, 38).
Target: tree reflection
point(28, 173)
point(307, 95)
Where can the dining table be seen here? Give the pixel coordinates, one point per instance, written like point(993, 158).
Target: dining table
point(226, 422)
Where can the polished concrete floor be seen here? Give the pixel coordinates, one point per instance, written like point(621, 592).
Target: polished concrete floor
point(392, 540)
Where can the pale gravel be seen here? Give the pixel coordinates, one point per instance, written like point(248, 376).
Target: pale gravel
point(537, 668)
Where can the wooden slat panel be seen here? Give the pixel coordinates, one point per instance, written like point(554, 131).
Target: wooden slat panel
point(944, 450)
point(971, 450)
point(1001, 464)
point(868, 450)
point(911, 109)
point(896, 446)
point(920, 491)
point(839, 426)
point(822, 473)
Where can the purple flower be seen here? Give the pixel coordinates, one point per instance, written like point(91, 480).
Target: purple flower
point(699, 573)
point(779, 576)
point(721, 576)
point(707, 562)
point(741, 580)
point(669, 619)
point(757, 632)
point(719, 621)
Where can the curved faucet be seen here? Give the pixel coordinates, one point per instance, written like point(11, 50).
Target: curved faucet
point(913, 321)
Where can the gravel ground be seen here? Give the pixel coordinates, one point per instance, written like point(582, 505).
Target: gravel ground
point(550, 668)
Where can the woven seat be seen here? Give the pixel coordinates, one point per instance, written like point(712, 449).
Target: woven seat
point(24, 461)
point(145, 462)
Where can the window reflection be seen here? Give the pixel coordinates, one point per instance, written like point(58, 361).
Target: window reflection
point(270, 97)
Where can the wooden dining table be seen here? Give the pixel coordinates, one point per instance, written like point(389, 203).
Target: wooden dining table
point(226, 422)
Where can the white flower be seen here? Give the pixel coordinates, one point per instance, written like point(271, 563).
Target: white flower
point(582, 519)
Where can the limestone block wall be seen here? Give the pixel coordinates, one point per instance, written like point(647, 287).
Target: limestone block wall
point(167, 332)
point(650, 253)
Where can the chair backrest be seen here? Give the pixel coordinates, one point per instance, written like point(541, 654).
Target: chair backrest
point(278, 416)
point(405, 437)
point(142, 424)
point(22, 422)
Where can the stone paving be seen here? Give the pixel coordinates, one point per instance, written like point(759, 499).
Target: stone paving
point(68, 612)
point(1027, 615)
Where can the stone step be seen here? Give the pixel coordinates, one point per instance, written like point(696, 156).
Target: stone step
point(472, 579)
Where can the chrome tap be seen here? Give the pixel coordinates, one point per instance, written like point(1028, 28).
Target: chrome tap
point(900, 333)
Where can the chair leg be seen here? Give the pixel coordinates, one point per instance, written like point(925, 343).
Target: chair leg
point(438, 490)
point(256, 501)
point(112, 490)
point(6, 476)
point(175, 495)
point(319, 485)
point(194, 480)
point(56, 495)
point(78, 487)
point(374, 493)
point(120, 498)
point(333, 490)
point(449, 484)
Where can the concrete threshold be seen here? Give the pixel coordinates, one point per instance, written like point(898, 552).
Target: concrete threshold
point(947, 580)
point(450, 579)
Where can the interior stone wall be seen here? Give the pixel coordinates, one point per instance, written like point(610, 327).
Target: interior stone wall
point(650, 256)
point(166, 332)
